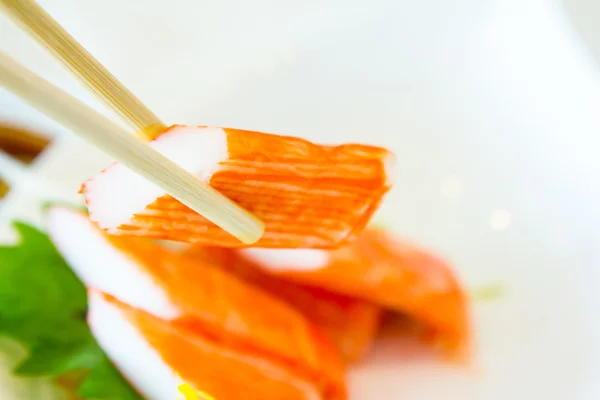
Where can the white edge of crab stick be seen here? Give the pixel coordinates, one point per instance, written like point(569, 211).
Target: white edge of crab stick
point(116, 194)
point(287, 259)
point(125, 345)
point(101, 265)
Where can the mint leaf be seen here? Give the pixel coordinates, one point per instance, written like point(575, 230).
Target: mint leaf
point(43, 305)
point(94, 385)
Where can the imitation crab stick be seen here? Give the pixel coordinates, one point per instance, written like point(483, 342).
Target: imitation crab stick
point(199, 298)
point(308, 195)
point(388, 272)
point(154, 354)
point(349, 322)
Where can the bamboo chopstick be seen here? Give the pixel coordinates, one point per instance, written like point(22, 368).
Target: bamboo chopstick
point(129, 150)
point(39, 24)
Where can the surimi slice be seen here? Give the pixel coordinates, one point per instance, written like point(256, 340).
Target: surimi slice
point(388, 272)
point(198, 297)
point(155, 354)
point(349, 322)
point(308, 195)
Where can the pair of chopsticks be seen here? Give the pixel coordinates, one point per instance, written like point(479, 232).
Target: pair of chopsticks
point(100, 131)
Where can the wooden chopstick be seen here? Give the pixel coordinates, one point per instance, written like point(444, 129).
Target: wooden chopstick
point(129, 150)
point(40, 25)
point(49, 33)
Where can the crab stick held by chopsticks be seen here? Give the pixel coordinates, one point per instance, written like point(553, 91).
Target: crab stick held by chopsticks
point(308, 195)
point(386, 271)
point(349, 322)
point(182, 301)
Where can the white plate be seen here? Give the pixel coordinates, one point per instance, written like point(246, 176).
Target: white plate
point(491, 106)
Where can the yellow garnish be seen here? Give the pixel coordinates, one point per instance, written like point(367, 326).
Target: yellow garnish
point(189, 393)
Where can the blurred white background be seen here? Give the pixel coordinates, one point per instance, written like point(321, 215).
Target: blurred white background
point(492, 107)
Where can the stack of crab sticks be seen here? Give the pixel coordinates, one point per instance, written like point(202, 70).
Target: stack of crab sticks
point(281, 319)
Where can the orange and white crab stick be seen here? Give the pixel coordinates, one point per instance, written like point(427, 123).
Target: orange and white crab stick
point(154, 354)
point(392, 273)
point(308, 195)
point(185, 302)
point(350, 323)
point(157, 171)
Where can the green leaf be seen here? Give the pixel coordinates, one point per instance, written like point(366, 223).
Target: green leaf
point(43, 305)
point(94, 385)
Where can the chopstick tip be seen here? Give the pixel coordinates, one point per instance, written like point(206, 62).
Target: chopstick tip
point(252, 232)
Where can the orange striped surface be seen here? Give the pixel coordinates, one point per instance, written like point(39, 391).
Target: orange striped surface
point(307, 195)
point(349, 322)
point(216, 368)
point(398, 276)
point(223, 308)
